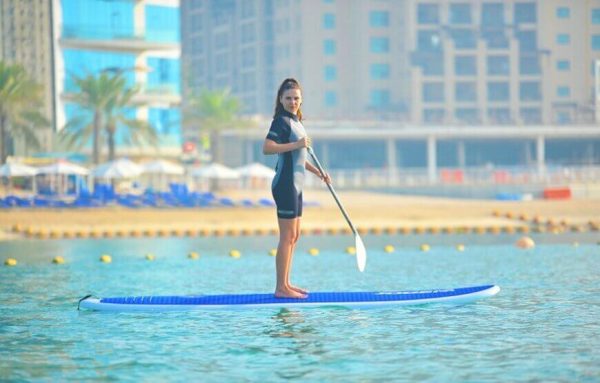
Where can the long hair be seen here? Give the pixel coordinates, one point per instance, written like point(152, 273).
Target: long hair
point(288, 83)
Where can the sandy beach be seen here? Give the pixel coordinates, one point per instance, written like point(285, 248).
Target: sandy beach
point(369, 212)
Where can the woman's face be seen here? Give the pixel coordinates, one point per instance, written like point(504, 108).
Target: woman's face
point(291, 100)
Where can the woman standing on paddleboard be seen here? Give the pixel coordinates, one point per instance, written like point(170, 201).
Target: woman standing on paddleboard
point(287, 138)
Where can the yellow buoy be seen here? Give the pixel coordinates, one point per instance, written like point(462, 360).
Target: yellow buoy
point(193, 255)
point(362, 231)
point(525, 243)
point(460, 247)
point(575, 244)
point(425, 247)
point(232, 232)
point(313, 251)
point(150, 257)
point(523, 229)
point(58, 260)
point(351, 250)
point(448, 230)
point(149, 233)
point(389, 230)
point(105, 258)
point(388, 249)
point(273, 252)
point(10, 262)
point(261, 231)
point(235, 254)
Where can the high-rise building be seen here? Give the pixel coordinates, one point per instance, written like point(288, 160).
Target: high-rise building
point(26, 39)
point(350, 56)
point(504, 62)
point(140, 39)
point(473, 62)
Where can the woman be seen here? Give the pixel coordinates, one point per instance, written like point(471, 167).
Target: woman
point(288, 139)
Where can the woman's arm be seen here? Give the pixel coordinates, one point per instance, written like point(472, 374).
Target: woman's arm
point(313, 169)
point(272, 147)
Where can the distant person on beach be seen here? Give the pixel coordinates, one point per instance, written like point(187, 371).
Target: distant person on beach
point(287, 138)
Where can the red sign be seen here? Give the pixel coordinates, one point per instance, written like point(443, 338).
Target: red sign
point(189, 147)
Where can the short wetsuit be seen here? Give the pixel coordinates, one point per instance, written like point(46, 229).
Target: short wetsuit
point(289, 178)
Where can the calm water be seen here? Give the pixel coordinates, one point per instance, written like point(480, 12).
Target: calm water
point(543, 326)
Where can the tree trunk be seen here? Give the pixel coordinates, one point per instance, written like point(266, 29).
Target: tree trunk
point(96, 139)
point(110, 130)
point(3, 139)
point(215, 147)
point(111, 146)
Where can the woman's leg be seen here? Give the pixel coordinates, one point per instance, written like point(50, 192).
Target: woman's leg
point(296, 237)
point(283, 260)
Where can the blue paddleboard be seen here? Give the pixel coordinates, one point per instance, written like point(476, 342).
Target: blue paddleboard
point(317, 299)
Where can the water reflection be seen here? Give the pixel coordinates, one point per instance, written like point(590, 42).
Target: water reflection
point(297, 339)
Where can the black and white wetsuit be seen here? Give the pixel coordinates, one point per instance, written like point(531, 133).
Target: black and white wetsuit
point(289, 179)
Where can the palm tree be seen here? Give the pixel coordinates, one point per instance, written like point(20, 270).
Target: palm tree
point(133, 131)
point(104, 100)
point(21, 100)
point(211, 112)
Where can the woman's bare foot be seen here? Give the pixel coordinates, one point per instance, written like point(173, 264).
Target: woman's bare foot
point(298, 289)
point(289, 293)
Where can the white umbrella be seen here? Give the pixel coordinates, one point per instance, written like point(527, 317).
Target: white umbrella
point(65, 168)
point(17, 170)
point(215, 171)
point(256, 170)
point(121, 168)
point(163, 167)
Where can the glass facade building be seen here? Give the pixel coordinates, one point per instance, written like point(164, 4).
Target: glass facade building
point(140, 39)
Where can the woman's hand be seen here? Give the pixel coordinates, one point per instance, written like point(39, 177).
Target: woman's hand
point(326, 178)
point(304, 142)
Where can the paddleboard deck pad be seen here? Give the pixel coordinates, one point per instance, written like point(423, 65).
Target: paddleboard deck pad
point(316, 299)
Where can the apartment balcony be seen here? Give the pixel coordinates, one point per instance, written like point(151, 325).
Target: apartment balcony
point(159, 95)
point(150, 95)
point(118, 39)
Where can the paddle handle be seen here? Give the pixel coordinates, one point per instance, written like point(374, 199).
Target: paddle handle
point(333, 193)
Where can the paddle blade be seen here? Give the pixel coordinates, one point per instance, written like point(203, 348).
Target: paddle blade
point(361, 253)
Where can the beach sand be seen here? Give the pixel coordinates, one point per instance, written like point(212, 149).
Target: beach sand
point(368, 211)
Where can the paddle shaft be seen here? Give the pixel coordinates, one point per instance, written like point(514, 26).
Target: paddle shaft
point(335, 197)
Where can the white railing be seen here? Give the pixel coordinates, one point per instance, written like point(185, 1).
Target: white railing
point(383, 178)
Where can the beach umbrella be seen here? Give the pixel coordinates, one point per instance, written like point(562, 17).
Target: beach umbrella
point(163, 167)
point(118, 169)
point(215, 171)
point(256, 170)
point(63, 168)
point(17, 170)
point(163, 170)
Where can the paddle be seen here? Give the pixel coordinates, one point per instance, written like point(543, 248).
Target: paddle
point(361, 252)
